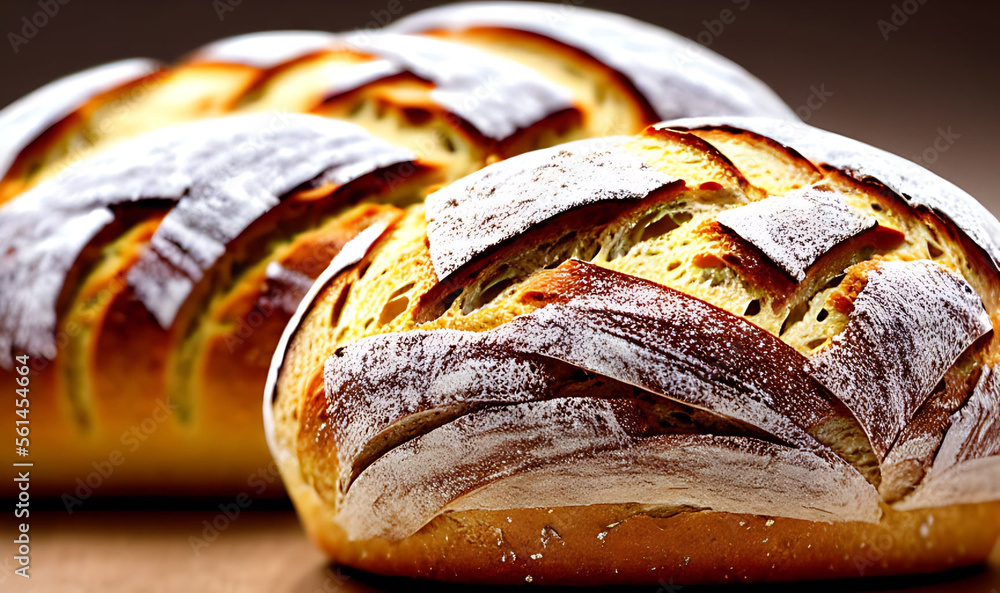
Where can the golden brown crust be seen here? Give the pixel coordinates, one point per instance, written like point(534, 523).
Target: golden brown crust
point(201, 369)
point(615, 89)
point(43, 149)
point(509, 546)
point(210, 365)
point(510, 282)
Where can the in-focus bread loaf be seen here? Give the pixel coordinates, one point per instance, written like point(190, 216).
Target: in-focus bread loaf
point(725, 349)
point(159, 224)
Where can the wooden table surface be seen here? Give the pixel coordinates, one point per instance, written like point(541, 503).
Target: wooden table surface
point(267, 551)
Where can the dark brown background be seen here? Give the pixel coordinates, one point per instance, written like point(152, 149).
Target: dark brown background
point(939, 71)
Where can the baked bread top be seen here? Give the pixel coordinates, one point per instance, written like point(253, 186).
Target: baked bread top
point(656, 62)
point(700, 317)
point(456, 100)
point(187, 208)
point(214, 177)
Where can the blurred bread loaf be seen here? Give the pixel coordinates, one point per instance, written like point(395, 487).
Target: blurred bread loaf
point(159, 224)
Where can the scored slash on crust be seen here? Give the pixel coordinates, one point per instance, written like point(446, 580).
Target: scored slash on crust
point(265, 50)
point(967, 466)
point(424, 421)
point(496, 96)
point(391, 387)
point(458, 104)
point(669, 343)
point(352, 252)
point(975, 430)
point(907, 179)
point(24, 120)
point(465, 219)
point(910, 323)
point(677, 76)
point(195, 233)
point(221, 181)
point(470, 464)
point(796, 229)
point(629, 391)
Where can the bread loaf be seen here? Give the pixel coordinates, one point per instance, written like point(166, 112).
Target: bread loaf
point(606, 58)
point(159, 224)
point(725, 349)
